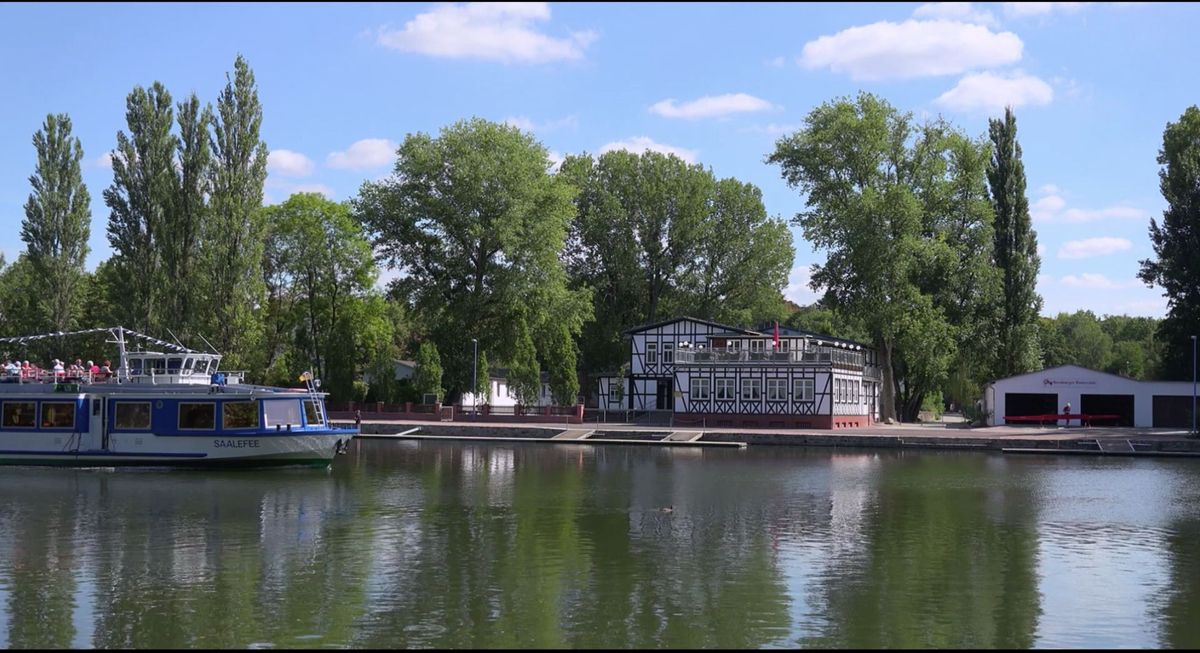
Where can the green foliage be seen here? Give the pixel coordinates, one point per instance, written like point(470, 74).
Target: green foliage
point(1176, 241)
point(904, 217)
point(656, 237)
point(524, 374)
point(141, 201)
point(428, 377)
point(233, 263)
point(57, 225)
point(1117, 344)
point(477, 225)
point(1015, 252)
point(483, 384)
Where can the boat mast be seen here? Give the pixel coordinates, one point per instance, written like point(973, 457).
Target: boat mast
point(123, 370)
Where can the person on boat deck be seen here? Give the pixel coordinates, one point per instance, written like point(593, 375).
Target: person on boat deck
point(107, 369)
point(93, 368)
point(58, 367)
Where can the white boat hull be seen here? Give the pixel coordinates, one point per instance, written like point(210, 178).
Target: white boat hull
point(317, 448)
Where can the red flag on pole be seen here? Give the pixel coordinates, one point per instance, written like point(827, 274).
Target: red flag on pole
point(776, 335)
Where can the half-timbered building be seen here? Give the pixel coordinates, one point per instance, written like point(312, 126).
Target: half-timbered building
point(716, 375)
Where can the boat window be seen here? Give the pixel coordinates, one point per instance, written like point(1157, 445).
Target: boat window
point(158, 365)
point(135, 366)
point(239, 415)
point(132, 415)
point(174, 364)
point(197, 416)
point(312, 415)
point(58, 414)
point(19, 414)
point(282, 412)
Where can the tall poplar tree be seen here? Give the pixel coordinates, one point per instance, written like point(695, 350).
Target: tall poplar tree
point(1176, 240)
point(141, 199)
point(1015, 252)
point(57, 223)
point(181, 243)
point(234, 241)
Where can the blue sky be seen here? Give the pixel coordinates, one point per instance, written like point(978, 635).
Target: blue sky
point(1094, 85)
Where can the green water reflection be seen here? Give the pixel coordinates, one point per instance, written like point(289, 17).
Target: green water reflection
point(405, 544)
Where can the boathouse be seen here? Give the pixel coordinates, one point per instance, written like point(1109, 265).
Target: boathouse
point(715, 375)
point(1120, 401)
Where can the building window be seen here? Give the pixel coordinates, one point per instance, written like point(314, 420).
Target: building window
point(651, 353)
point(239, 415)
point(751, 389)
point(19, 414)
point(614, 392)
point(725, 389)
point(58, 414)
point(804, 389)
point(756, 346)
point(197, 416)
point(785, 346)
point(668, 353)
point(734, 345)
point(776, 389)
point(130, 415)
point(700, 389)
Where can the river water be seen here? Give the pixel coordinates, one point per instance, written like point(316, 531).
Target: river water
point(422, 544)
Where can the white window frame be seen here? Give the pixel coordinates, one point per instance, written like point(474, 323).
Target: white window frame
point(668, 353)
point(652, 353)
point(805, 390)
point(751, 384)
point(729, 386)
point(699, 389)
point(733, 345)
point(756, 346)
point(777, 388)
point(784, 345)
point(614, 392)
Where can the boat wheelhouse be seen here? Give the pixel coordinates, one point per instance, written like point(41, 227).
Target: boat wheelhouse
point(171, 407)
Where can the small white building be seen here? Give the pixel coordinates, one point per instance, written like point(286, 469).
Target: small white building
point(502, 395)
point(1147, 404)
point(401, 370)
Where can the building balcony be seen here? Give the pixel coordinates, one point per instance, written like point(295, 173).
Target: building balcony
point(835, 357)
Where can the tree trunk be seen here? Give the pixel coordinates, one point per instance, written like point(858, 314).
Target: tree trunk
point(887, 389)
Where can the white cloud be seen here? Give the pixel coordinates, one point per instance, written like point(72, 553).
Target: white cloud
point(1025, 9)
point(777, 62)
point(1089, 247)
point(367, 153)
point(914, 48)
point(992, 92)
point(963, 12)
point(1090, 215)
point(640, 144)
point(525, 124)
point(711, 106)
point(1097, 281)
point(500, 31)
point(313, 188)
point(1051, 209)
point(556, 160)
point(797, 289)
point(520, 122)
point(289, 164)
point(773, 129)
point(105, 160)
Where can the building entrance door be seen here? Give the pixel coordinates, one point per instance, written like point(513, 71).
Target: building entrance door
point(664, 400)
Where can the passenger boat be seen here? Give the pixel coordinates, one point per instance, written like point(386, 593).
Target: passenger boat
point(162, 408)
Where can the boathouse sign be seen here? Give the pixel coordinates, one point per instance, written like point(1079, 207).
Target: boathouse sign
point(1066, 382)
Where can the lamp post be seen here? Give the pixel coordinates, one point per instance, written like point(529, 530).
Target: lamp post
point(474, 376)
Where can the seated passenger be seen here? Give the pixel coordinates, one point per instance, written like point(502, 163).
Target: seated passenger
point(93, 368)
point(107, 369)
